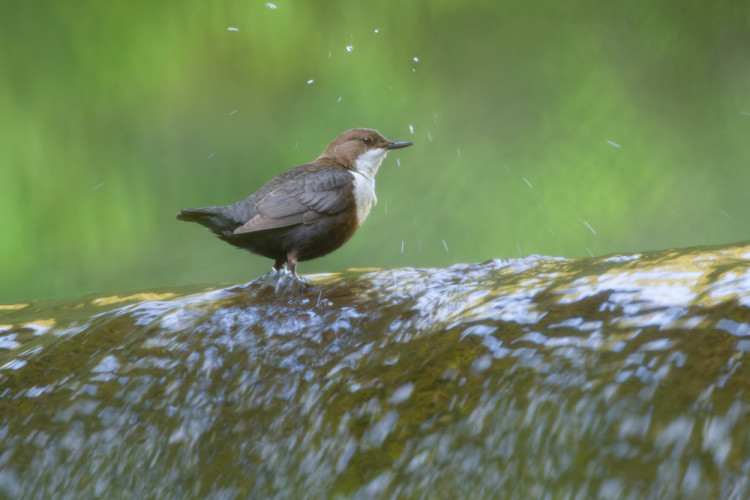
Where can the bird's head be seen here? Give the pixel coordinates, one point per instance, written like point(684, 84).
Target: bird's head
point(361, 150)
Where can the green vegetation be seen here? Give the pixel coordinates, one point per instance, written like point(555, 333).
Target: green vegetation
point(628, 119)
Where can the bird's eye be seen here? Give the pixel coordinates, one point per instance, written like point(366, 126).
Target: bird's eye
point(367, 140)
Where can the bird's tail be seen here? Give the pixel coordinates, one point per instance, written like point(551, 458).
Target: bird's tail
point(210, 217)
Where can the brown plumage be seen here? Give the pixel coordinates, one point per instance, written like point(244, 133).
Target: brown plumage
point(308, 211)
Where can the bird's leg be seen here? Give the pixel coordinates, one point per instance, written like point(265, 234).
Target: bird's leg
point(279, 264)
point(291, 264)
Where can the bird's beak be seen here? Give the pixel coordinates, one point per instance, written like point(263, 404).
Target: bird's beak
point(398, 144)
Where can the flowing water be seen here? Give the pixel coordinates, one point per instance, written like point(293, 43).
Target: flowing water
point(615, 377)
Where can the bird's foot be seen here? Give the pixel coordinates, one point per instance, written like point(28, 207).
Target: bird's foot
point(281, 281)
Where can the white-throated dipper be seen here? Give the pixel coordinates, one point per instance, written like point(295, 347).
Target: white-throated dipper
point(308, 211)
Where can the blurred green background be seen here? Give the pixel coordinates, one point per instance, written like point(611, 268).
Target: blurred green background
point(545, 127)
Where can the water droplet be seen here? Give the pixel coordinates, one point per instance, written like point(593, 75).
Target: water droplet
point(376, 30)
point(398, 161)
point(613, 144)
point(310, 81)
point(722, 212)
point(416, 59)
point(481, 364)
point(349, 48)
point(411, 129)
point(211, 155)
point(429, 136)
point(232, 28)
point(108, 364)
point(588, 226)
point(233, 112)
point(527, 182)
point(446, 246)
point(402, 246)
point(98, 186)
point(402, 393)
point(338, 100)
point(270, 5)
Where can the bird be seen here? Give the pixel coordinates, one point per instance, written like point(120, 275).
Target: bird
point(308, 211)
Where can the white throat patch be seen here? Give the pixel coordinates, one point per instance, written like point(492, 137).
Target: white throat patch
point(364, 172)
point(369, 163)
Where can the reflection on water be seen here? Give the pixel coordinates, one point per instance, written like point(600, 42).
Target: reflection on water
point(614, 377)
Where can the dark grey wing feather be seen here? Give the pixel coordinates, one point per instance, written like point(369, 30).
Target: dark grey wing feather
point(324, 202)
point(303, 200)
point(280, 203)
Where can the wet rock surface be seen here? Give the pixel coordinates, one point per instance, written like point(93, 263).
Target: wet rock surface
point(624, 376)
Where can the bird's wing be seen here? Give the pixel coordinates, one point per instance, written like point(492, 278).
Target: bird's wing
point(302, 200)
